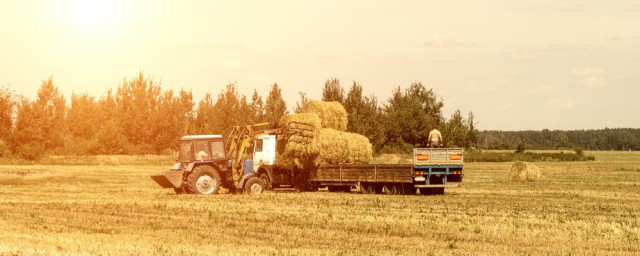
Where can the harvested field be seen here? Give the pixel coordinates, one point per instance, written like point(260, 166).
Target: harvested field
point(578, 208)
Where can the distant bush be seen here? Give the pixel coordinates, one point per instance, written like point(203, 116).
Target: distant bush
point(484, 156)
point(4, 149)
point(30, 151)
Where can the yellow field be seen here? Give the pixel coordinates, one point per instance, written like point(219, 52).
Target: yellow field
point(590, 208)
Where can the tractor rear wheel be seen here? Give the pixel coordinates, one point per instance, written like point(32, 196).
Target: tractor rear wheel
point(254, 186)
point(204, 180)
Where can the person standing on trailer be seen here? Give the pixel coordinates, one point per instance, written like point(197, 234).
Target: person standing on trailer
point(435, 139)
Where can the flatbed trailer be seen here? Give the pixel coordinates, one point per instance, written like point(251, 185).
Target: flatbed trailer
point(433, 169)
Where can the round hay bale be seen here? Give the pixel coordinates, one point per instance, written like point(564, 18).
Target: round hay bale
point(523, 171)
point(332, 114)
point(337, 147)
point(292, 154)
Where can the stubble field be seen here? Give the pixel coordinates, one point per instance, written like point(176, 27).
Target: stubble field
point(581, 208)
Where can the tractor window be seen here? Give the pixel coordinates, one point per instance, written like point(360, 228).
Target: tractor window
point(186, 152)
point(202, 150)
point(217, 149)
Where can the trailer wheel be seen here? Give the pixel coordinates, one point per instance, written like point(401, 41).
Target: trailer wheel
point(254, 186)
point(367, 188)
point(332, 188)
point(204, 180)
point(390, 189)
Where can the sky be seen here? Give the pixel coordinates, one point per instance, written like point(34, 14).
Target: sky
point(517, 65)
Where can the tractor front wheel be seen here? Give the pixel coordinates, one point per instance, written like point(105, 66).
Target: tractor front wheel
point(254, 186)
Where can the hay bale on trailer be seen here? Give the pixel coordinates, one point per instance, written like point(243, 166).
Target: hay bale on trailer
point(523, 171)
point(337, 147)
point(332, 114)
point(292, 154)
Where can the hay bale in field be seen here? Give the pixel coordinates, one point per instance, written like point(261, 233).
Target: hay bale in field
point(337, 147)
point(291, 154)
point(332, 114)
point(523, 171)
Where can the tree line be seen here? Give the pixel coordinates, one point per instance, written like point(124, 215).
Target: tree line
point(139, 117)
point(595, 139)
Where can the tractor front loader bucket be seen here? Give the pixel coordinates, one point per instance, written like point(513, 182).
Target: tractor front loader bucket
point(170, 179)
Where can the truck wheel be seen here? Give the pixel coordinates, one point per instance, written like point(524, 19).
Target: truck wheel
point(204, 180)
point(345, 189)
point(332, 188)
point(265, 179)
point(408, 189)
point(254, 186)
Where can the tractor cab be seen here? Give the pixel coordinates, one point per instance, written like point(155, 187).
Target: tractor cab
point(201, 148)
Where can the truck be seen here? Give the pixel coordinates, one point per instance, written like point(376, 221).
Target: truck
point(204, 165)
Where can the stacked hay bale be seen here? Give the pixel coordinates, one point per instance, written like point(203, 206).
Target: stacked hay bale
point(291, 154)
point(330, 143)
point(523, 171)
point(332, 114)
point(338, 147)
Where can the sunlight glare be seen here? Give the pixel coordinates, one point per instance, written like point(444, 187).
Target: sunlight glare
point(92, 13)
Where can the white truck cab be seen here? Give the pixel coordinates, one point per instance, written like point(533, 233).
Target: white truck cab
point(264, 151)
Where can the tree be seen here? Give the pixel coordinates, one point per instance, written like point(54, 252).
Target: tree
point(7, 107)
point(364, 116)
point(409, 116)
point(456, 131)
point(257, 108)
point(303, 101)
point(137, 104)
point(110, 137)
point(28, 138)
point(332, 91)
point(81, 116)
point(473, 134)
point(275, 106)
point(205, 117)
point(175, 113)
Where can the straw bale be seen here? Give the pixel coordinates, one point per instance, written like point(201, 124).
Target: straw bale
point(337, 147)
point(523, 171)
point(332, 114)
point(291, 154)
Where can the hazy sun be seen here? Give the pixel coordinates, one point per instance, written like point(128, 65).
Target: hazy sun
point(92, 14)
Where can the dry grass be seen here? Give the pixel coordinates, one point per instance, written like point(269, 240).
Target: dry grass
point(577, 208)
